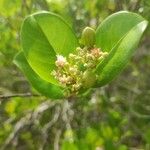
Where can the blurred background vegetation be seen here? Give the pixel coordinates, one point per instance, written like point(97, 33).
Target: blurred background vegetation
point(115, 117)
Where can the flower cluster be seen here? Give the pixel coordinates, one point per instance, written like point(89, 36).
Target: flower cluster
point(73, 72)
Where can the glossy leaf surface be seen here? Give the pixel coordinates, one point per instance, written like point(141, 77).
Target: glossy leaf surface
point(119, 35)
point(43, 36)
point(45, 88)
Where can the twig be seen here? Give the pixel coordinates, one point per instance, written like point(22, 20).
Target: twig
point(67, 113)
point(57, 139)
point(19, 125)
point(29, 119)
point(45, 129)
point(18, 95)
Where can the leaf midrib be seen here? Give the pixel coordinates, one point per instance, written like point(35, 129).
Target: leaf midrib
point(100, 65)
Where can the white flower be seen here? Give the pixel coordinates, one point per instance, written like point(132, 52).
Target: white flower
point(73, 70)
point(63, 79)
point(61, 61)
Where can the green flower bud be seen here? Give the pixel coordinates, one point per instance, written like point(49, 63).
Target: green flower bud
point(88, 79)
point(88, 37)
point(72, 56)
point(78, 49)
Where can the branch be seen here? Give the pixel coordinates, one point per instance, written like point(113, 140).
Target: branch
point(47, 126)
point(17, 128)
point(30, 119)
point(57, 139)
point(18, 95)
point(67, 113)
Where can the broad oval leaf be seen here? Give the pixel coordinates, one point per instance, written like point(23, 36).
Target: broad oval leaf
point(115, 27)
point(44, 35)
point(45, 88)
point(127, 32)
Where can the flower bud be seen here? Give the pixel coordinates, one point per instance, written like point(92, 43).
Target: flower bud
point(73, 70)
point(89, 79)
point(78, 49)
point(88, 37)
point(89, 57)
point(72, 56)
point(76, 87)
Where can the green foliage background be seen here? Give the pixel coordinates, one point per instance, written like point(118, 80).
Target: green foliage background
point(116, 117)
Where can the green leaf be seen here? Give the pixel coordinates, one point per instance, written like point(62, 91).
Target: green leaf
point(119, 35)
point(115, 27)
point(42, 86)
point(44, 35)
